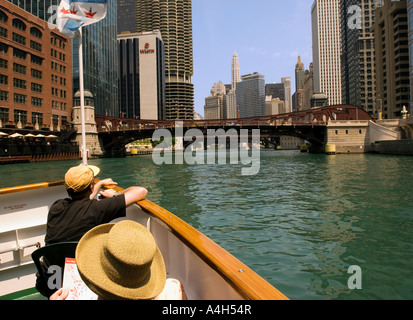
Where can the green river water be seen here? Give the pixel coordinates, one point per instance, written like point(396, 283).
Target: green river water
point(300, 223)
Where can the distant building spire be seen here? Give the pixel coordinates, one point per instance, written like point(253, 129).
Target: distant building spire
point(235, 71)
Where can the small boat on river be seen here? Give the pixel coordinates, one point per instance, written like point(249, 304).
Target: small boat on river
point(206, 270)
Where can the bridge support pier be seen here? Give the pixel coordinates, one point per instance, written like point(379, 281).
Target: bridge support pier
point(92, 139)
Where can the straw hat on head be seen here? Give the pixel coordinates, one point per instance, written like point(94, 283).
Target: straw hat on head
point(80, 177)
point(121, 261)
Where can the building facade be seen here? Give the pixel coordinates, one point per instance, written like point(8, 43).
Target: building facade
point(308, 87)
point(251, 95)
point(274, 106)
point(325, 17)
point(35, 71)
point(174, 20)
point(392, 58)
point(358, 54)
point(215, 104)
point(99, 53)
point(287, 95)
point(235, 71)
point(276, 90)
point(141, 76)
point(126, 16)
point(100, 56)
point(410, 20)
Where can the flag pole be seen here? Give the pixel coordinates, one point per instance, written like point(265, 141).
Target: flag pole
point(82, 98)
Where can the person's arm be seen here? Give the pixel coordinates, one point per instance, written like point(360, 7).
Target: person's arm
point(132, 194)
point(100, 184)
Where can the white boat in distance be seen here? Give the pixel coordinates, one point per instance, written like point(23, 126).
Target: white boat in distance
point(206, 270)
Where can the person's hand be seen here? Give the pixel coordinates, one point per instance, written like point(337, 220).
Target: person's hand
point(108, 182)
point(108, 193)
point(60, 294)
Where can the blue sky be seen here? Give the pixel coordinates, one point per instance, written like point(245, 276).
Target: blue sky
point(268, 36)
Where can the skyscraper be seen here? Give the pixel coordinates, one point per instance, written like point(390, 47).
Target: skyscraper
point(358, 54)
point(410, 19)
point(235, 71)
point(298, 97)
point(251, 95)
point(392, 58)
point(141, 76)
point(126, 16)
point(287, 98)
point(325, 16)
point(299, 74)
point(174, 19)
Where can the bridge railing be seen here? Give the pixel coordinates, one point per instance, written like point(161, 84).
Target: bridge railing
point(312, 117)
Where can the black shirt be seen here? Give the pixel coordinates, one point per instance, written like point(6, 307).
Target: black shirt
point(69, 220)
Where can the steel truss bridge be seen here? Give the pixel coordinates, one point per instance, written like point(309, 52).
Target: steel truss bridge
point(115, 133)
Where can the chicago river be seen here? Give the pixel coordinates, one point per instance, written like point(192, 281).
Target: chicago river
point(300, 223)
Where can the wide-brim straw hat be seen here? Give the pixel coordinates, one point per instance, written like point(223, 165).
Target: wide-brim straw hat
point(121, 261)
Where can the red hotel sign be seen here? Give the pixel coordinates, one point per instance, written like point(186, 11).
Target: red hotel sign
point(147, 50)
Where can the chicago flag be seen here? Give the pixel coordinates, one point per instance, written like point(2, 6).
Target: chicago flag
point(73, 14)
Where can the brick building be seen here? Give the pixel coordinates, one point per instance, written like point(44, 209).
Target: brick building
point(35, 71)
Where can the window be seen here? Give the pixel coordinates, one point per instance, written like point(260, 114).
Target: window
point(36, 60)
point(36, 87)
point(36, 74)
point(19, 38)
point(20, 98)
point(4, 96)
point(4, 114)
point(17, 23)
point(4, 79)
point(36, 46)
point(3, 32)
point(17, 53)
point(35, 32)
point(3, 47)
point(19, 68)
point(37, 102)
point(37, 118)
point(20, 115)
point(3, 64)
point(3, 16)
point(19, 83)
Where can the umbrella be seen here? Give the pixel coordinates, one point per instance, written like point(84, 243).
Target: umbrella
point(40, 135)
point(29, 135)
point(15, 135)
point(51, 136)
point(3, 134)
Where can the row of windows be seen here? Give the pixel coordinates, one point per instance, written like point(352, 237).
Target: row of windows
point(20, 54)
point(19, 24)
point(35, 101)
point(19, 68)
point(55, 93)
point(35, 87)
point(58, 67)
point(21, 98)
point(58, 55)
point(20, 84)
point(21, 115)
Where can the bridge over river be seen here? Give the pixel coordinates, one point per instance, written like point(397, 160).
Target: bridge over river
point(310, 125)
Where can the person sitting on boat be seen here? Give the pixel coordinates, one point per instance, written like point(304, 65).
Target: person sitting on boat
point(70, 219)
point(121, 261)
